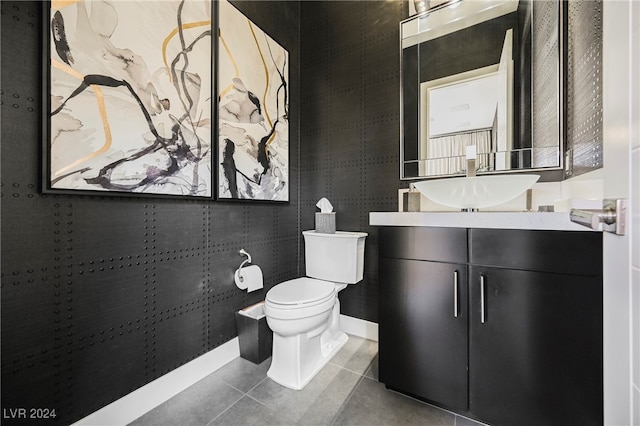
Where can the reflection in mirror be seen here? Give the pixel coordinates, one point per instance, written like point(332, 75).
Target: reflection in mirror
point(467, 80)
point(470, 108)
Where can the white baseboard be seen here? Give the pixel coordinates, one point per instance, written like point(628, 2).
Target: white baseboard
point(131, 406)
point(359, 327)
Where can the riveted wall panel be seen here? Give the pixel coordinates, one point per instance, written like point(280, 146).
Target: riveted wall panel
point(350, 105)
point(109, 361)
point(584, 85)
point(101, 295)
point(545, 45)
point(31, 317)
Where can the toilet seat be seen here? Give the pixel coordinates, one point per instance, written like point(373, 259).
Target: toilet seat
point(300, 298)
point(301, 292)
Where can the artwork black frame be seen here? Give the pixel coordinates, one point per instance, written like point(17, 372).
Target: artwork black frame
point(191, 142)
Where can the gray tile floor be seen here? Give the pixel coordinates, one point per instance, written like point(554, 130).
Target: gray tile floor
point(345, 392)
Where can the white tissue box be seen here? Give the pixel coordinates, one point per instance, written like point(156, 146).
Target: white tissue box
point(326, 223)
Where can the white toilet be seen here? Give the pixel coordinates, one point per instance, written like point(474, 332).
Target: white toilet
point(304, 313)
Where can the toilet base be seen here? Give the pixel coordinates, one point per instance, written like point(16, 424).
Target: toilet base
point(297, 359)
point(290, 372)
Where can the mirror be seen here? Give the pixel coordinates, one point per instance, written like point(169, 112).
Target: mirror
point(483, 73)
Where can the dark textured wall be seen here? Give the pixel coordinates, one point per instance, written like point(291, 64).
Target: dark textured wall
point(544, 82)
point(350, 123)
point(101, 295)
point(468, 49)
point(584, 86)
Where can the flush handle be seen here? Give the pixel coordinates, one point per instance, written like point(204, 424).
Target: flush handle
point(611, 218)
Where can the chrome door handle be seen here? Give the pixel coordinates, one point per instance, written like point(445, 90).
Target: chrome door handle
point(611, 218)
point(482, 284)
point(455, 294)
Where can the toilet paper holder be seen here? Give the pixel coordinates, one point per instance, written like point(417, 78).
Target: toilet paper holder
point(244, 262)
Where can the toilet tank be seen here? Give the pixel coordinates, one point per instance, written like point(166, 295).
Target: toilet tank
point(335, 257)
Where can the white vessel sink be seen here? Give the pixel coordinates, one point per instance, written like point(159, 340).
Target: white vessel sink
point(469, 193)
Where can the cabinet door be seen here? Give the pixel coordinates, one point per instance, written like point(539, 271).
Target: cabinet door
point(535, 350)
point(424, 329)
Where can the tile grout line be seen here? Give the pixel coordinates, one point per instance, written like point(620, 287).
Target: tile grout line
point(363, 374)
point(243, 395)
point(257, 384)
point(240, 390)
point(225, 410)
point(266, 406)
point(260, 402)
point(235, 402)
point(353, 391)
point(346, 401)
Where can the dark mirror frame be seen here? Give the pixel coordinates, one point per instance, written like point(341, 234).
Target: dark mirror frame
point(410, 64)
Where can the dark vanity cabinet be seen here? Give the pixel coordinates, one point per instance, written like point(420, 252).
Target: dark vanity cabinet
point(501, 325)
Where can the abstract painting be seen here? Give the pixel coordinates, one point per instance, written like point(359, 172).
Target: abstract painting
point(130, 97)
point(253, 111)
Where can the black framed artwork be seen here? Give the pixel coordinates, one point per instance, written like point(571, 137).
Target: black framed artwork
point(253, 111)
point(128, 89)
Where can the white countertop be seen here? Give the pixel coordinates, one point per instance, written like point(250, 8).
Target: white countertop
point(557, 221)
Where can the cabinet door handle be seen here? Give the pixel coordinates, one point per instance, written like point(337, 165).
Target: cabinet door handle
point(482, 285)
point(455, 294)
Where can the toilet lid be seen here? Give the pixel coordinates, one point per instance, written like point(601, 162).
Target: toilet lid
point(300, 291)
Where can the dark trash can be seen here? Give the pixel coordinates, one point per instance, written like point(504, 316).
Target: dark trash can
point(255, 336)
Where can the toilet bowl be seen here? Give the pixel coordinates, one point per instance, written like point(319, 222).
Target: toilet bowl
point(304, 313)
point(299, 306)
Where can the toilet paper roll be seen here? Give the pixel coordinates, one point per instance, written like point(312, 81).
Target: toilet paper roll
point(240, 283)
point(251, 278)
